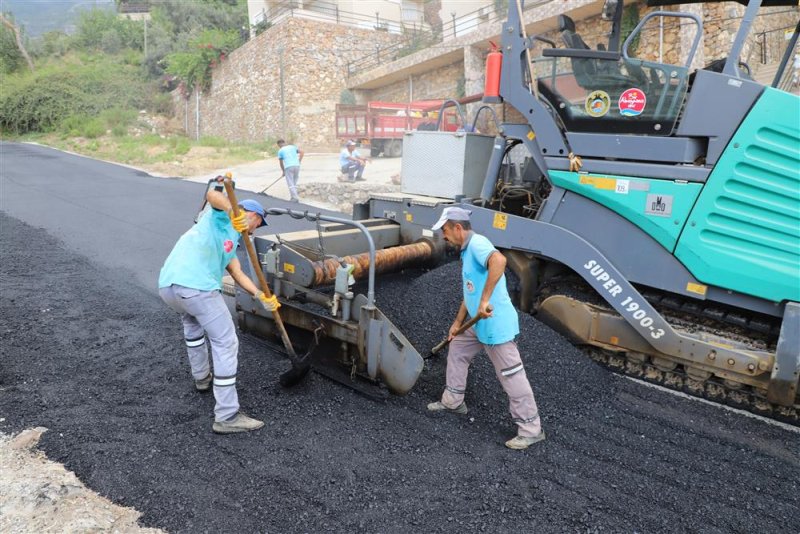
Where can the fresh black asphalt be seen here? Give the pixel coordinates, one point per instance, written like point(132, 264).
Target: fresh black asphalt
point(88, 350)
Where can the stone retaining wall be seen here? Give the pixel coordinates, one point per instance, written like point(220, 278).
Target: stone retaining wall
point(342, 196)
point(260, 92)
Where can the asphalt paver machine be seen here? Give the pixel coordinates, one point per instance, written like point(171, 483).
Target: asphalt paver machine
point(653, 217)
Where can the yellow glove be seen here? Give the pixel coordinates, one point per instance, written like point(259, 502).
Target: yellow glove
point(270, 304)
point(239, 222)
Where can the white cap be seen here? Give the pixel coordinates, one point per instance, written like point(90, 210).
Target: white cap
point(351, 143)
point(453, 213)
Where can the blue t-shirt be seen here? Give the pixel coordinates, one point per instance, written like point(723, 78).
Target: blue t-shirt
point(503, 325)
point(344, 154)
point(289, 155)
point(200, 256)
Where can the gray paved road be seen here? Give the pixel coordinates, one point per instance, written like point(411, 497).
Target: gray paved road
point(122, 218)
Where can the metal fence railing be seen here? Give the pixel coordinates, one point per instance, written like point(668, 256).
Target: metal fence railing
point(414, 33)
point(325, 12)
point(417, 38)
point(771, 44)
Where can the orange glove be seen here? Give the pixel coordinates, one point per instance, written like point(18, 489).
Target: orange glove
point(239, 222)
point(270, 304)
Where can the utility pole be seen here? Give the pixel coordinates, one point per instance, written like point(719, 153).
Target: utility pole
point(283, 94)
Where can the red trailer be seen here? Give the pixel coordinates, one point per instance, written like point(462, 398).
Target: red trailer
point(381, 125)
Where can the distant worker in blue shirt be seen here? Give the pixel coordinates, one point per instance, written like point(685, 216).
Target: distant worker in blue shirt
point(190, 283)
point(289, 157)
point(351, 162)
point(485, 295)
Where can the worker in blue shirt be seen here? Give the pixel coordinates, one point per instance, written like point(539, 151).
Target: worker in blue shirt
point(485, 295)
point(190, 283)
point(351, 162)
point(289, 158)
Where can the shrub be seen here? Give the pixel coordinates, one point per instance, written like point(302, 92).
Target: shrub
point(162, 104)
point(93, 128)
point(40, 101)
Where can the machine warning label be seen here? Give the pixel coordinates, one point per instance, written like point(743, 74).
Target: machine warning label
point(500, 221)
point(599, 182)
point(288, 267)
point(658, 205)
point(700, 289)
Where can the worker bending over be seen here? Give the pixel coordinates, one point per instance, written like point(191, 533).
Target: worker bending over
point(486, 295)
point(191, 283)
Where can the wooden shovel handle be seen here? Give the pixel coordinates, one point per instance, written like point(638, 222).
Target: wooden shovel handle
point(463, 328)
point(254, 263)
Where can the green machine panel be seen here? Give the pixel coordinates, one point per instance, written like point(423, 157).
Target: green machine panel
point(659, 207)
point(744, 232)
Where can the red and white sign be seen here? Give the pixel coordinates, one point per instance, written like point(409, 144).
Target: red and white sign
point(632, 102)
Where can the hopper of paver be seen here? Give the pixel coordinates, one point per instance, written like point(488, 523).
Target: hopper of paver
point(313, 273)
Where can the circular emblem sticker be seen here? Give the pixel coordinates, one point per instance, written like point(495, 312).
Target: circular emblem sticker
point(597, 103)
point(632, 102)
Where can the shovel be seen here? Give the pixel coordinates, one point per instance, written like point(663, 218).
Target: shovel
point(264, 191)
point(464, 327)
point(300, 366)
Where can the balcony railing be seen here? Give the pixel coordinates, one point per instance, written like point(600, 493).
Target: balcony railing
point(420, 38)
point(326, 12)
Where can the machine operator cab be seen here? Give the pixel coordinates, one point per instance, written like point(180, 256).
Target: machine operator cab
point(608, 89)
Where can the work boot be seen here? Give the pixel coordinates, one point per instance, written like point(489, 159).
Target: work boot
point(523, 442)
point(204, 384)
point(239, 423)
point(439, 407)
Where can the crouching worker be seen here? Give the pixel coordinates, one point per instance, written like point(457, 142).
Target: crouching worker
point(484, 285)
point(191, 282)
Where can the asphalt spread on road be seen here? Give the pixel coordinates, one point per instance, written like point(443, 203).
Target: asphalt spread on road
point(101, 363)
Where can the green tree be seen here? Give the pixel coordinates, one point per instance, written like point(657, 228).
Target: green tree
point(10, 56)
point(13, 48)
point(99, 29)
point(209, 49)
point(175, 24)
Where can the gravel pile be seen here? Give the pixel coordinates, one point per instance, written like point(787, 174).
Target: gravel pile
point(100, 362)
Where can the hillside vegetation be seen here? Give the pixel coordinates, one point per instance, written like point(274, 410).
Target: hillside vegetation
point(100, 91)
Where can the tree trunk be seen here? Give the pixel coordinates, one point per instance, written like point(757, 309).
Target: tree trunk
point(10, 25)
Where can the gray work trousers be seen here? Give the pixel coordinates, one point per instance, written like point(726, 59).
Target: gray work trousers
point(292, 177)
point(204, 314)
point(509, 370)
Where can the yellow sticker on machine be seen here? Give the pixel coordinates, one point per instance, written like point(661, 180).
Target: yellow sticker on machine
point(531, 135)
point(599, 182)
point(288, 267)
point(700, 289)
point(409, 217)
point(500, 221)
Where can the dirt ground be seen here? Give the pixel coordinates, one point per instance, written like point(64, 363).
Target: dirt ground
point(100, 363)
point(38, 495)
